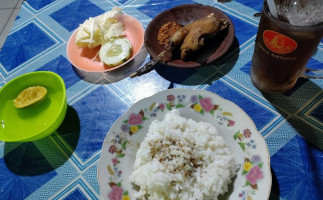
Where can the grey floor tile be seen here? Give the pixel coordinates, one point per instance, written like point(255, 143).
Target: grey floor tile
point(9, 10)
point(4, 4)
point(5, 15)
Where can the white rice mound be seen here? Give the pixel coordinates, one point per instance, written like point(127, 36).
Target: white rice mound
point(181, 159)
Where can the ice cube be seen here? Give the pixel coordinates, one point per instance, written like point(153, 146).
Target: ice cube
point(302, 12)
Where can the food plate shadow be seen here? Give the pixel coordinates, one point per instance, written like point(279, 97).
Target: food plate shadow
point(305, 118)
point(181, 75)
point(226, 196)
point(274, 193)
point(36, 158)
point(175, 74)
point(114, 75)
point(228, 60)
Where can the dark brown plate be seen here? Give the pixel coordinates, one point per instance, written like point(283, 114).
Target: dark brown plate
point(214, 47)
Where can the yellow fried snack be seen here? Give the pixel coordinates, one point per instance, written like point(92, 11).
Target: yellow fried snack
point(30, 96)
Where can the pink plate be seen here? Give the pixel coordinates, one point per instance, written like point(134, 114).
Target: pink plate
point(82, 58)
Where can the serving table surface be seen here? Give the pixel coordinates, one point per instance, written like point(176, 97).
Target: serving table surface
point(64, 164)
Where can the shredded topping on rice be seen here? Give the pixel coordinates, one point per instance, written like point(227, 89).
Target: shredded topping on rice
point(176, 155)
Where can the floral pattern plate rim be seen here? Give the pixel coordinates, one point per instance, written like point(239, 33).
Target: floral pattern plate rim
point(253, 180)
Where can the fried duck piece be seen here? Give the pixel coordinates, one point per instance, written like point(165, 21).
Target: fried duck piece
point(191, 36)
point(166, 31)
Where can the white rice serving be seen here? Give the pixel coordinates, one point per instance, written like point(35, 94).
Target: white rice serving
point(181, 159)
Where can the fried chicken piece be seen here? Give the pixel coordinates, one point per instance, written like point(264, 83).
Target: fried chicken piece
point(203, 23)
point(194, 41)
point(190, 37)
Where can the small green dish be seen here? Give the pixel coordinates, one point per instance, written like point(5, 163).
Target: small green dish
point(35, 121)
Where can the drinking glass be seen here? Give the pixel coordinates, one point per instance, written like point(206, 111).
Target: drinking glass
point(281, 53)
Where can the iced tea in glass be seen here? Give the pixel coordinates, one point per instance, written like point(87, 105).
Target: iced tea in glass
point(281, 52)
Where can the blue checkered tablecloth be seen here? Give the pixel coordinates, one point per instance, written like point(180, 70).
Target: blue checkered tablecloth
point(64, 165)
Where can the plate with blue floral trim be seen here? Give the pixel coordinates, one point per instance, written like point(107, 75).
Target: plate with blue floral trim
point(253, 180)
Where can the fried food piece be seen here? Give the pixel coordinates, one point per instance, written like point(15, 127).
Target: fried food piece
point(179, 36)
point(190, 37)
point(166, 31)
point(194, 41)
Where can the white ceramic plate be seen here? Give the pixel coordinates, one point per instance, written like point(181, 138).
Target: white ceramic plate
point(253, 180)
